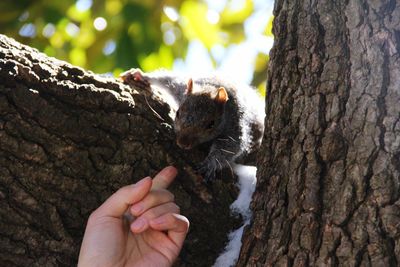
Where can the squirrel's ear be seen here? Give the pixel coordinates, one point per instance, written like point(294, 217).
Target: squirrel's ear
point(189, 86)
point(222, 96)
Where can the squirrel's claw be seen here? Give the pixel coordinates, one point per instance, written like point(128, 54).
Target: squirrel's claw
point(207, 170)
point(136, 78)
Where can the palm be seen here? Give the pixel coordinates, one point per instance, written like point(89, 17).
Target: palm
point(120, 247)
point(150, 248)
point(154, 238)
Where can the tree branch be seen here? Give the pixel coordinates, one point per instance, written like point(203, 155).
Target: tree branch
point(68, 139)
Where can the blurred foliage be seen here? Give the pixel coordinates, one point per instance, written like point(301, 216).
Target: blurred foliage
point(115, 35)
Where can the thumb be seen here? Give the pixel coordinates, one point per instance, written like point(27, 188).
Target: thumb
point(119, 202)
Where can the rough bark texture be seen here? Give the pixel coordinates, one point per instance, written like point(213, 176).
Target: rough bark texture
point(68, 139)
point(329, 177)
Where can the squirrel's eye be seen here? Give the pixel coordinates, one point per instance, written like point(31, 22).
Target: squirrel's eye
point(177, 114)
point(211, 124)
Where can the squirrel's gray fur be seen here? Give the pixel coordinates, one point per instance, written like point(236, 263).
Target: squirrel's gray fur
point(232, 119)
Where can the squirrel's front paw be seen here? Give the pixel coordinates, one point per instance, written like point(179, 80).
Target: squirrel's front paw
point(136, 78)
point(207, 169)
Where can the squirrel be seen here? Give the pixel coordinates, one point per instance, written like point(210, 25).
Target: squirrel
point(210, 109)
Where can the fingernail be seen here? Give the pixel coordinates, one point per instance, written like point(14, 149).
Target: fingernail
point(172, 169)
point(137, 208)
point(138, 224)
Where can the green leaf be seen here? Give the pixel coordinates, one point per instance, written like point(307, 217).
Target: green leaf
point(195, 25)
point(78, 57)
point(268, 28)
point(231, 15)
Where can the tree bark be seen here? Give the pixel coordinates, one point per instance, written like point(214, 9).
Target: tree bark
point(329, 175)
point(68, 140)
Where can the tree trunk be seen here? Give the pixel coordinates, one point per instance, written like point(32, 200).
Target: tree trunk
point(329, 177)
point(68, 139)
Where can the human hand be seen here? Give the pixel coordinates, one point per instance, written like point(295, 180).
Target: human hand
point(154, 238)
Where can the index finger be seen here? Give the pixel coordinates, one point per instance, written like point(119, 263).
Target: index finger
point(164, 178)
point(118, 203)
